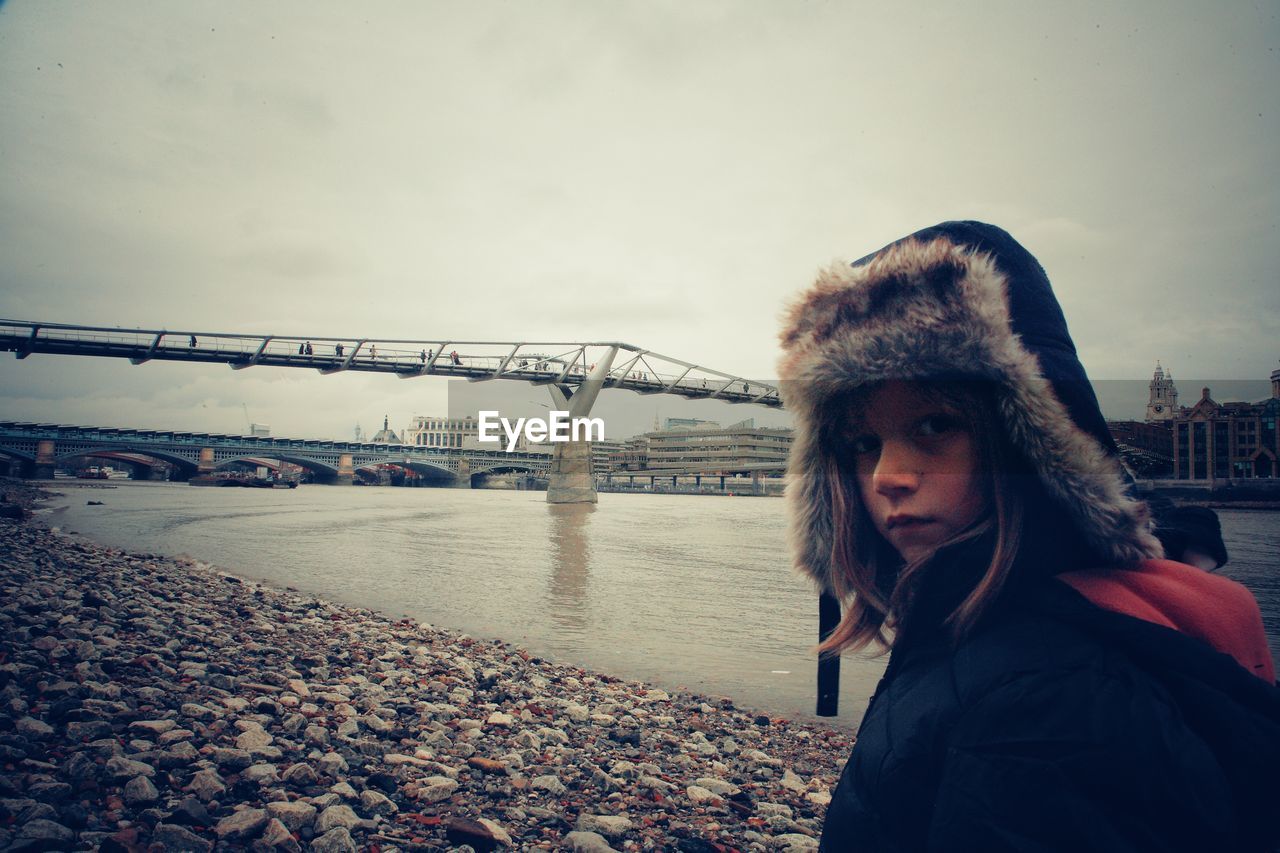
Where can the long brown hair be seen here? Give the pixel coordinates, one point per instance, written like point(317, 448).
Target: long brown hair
point(878, 586)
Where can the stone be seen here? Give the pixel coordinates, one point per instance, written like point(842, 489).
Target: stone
point(587, 842)
point(793, 842)
point(42, 834)
point(344, 790)
point(482, 834)
point(277, 834)
point(375, 724)
point(262, 774)
point(325, 800)
point(179, 839)
point(334, 841)
point(549, 783)
point(497, 718)
point(197, 712)
point(253, 739)
point(377, 803)
point(611, 826)
point(80, 767)
point(174, 736)
point(819, 798)
point(33, 729)
point(486, 765)
point(792, 782)
point(334, 817)
point(241, 825)
point(120, 769)
point(719, 787)
point(433, 789)
point(181, 755)
point(699, 795)
point(231, 759)
point(50, 792)
point(140, 792)
point(300, 775)
point(296, 816)
point(332, 764)
point(88, 731)
point(207, 784)
point(190, 812)
point(152, 728)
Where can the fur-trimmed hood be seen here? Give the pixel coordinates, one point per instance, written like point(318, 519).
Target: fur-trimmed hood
point(958, 299)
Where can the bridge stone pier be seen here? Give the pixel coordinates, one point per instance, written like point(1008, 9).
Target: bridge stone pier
point(462, 477)
point(44, 465)
point(571, 480)
point(346, 470)
point(206, 463)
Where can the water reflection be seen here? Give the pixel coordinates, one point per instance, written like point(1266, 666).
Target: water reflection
point(570, 566)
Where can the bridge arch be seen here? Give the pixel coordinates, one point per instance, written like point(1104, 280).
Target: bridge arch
point(508, 468)
point(17, 462)
point(185, 467)
point(428, 469)
point(321, 470)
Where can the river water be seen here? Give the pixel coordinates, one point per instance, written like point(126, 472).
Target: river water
point(683, 591)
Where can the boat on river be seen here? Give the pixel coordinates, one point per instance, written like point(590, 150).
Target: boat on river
point(242, 481)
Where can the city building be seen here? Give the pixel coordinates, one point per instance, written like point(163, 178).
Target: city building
point(633, 455)
point(1162, 404)
point(444, 432)
point(1233, 440)
point(602, 455)
point(686, 423)
point(385, 435)
point(1145, 448)
point(737, 446)
point(462, 433)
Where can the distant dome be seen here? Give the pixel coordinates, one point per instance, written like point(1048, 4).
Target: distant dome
point(385, 435)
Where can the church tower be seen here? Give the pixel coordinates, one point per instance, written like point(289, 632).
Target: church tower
point(1162, 404)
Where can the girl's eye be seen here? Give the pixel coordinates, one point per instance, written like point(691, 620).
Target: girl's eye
point(938, 425)
point(865, 444)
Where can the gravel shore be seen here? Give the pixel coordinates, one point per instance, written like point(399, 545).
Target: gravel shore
point(149, 703)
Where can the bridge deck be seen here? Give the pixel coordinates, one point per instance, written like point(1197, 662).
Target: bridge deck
point(540, 363)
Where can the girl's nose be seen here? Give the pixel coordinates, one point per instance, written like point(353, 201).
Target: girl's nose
point(897, 470)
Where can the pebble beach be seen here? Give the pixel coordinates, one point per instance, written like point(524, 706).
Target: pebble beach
point(150, 703)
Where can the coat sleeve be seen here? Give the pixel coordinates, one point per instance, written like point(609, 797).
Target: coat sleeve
point(1086, 759)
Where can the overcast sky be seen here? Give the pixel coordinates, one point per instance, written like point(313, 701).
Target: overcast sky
point(666, 174)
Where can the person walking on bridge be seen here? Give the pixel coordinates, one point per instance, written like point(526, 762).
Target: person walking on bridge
point(1053, 683)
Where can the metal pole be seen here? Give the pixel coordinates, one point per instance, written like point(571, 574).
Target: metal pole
point(828, 664)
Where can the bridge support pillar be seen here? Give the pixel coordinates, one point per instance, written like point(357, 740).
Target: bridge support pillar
point(755, 482)
point(571, 476)
point(346, 470)
point(43, 469)
point(205, 465)
point(462, 477)
point(572, 480)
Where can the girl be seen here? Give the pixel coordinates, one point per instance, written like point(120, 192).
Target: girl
point(1053, 684)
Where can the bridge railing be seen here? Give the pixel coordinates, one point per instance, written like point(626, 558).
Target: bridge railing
point(633, 368)
point(261, 444)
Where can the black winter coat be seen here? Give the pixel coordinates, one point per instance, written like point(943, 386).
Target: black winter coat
point(1060, 726)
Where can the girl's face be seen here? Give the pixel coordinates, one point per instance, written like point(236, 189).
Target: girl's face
point(917, 468)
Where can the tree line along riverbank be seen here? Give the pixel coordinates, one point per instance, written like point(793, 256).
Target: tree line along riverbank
point(149, 703)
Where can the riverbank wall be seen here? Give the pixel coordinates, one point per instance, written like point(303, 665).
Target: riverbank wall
point(149, 703)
